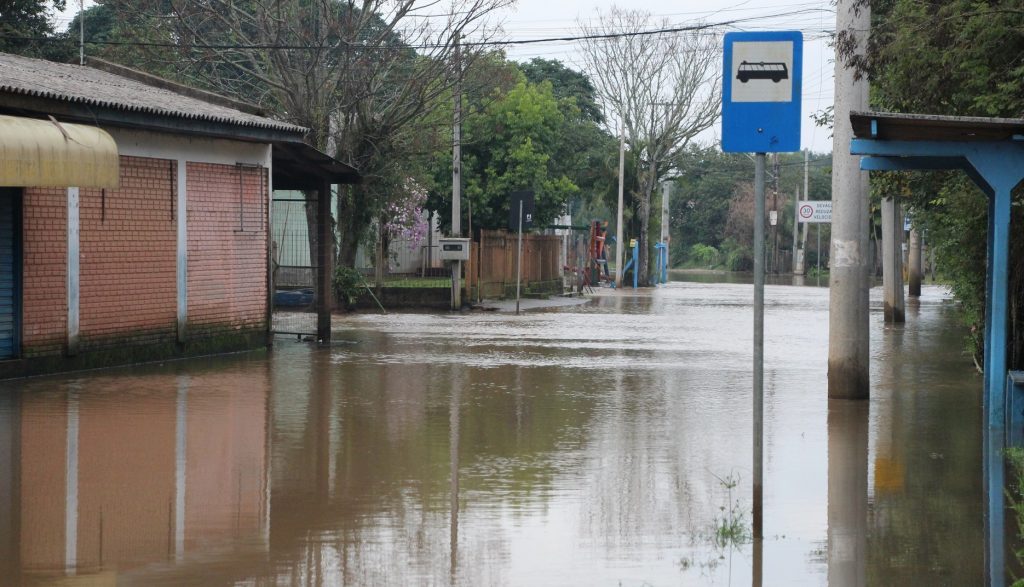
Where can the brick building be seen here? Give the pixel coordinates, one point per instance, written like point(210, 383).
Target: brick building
point(134, 216)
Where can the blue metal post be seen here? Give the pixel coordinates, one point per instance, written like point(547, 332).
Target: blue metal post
point(636, 250)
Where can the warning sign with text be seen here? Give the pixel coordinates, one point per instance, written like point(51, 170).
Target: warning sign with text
point(814, 211)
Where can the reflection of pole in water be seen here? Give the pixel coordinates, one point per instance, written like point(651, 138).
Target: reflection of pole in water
point(453, 448)
point(71, 485)
point(180, 455)
point(847, 492)
point(758, 562)
point(994, 484)
point(10, 485)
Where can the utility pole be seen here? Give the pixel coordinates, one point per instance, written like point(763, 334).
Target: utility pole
point(457, 177)
point(796, 228)
point(848, 344)
point(892, 261)
point(618, 225)
point(801, 267)
point(81, 32)
point(914, 261)
point(665, 189)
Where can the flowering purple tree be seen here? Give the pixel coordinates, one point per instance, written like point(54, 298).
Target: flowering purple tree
point(403, 215)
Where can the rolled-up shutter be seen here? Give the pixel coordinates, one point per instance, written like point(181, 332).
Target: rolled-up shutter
point(9, 278)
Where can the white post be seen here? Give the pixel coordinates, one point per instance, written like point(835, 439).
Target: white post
point(618, 224)
point(182, 250)
point(73, 271)
point(848, 349)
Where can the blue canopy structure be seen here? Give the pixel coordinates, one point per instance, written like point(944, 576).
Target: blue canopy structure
point(991, 152)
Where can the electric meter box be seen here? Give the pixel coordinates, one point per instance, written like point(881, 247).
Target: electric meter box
point(454, 249)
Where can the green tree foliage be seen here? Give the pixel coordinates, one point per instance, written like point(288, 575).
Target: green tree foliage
point(705, 196)
point(953, 57)
point(565, 83)
point(23, 23)
point(570, 162)
point(513, 145)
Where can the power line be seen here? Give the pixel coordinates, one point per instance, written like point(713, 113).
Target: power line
point(499, 43)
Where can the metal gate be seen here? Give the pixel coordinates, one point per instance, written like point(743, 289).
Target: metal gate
point(294, 270)
point(10, 272)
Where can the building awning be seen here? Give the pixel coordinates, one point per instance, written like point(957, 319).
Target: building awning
point(47, 153)
point(298, 166)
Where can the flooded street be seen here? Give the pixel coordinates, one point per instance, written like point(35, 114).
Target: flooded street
point(601, 444)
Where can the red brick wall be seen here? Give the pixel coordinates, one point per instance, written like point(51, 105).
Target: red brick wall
point(227, 263)
point(127, 267)
point(128, 243)
point(45, 298)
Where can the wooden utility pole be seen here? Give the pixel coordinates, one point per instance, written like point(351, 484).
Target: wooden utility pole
point(848, 340)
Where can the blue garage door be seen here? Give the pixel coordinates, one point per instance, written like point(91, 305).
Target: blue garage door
point(10, 273)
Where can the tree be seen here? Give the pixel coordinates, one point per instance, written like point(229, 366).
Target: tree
point(954, 57)
point(23, 23)
point(663, 88)
point(363, 76)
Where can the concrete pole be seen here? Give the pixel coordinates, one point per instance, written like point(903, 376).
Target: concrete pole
point(892, 257)
point(802, 265)
point(848, 345)
point(848, 432)
point(796, 231)
point(914, 263)
point(666, 187)
point(619, 245)
point(457, 178)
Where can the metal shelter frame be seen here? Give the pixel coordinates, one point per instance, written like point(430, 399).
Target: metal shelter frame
point(991, 152)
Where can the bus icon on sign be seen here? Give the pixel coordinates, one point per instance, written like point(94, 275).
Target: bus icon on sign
point(774, 71)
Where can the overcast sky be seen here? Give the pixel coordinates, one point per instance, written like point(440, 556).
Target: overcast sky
point(559, 18)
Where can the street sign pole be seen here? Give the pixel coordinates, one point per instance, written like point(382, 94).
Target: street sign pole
point(761, 90)
point(519, 256)
point(759, 163)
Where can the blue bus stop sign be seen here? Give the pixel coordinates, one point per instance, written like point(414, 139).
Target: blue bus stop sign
point(761, 92)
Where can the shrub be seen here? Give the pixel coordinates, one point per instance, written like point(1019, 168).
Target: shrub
point(347, 283)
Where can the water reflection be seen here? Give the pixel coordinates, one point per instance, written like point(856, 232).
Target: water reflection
point(110, 472)
point(598, 444)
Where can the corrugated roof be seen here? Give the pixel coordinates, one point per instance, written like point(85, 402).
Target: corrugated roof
point(892, 126)
point(86, 85)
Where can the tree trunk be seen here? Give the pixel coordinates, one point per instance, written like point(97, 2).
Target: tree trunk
point(353, 220)
point(643, 272)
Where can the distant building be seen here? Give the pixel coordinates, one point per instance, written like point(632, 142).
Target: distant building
point(134, 216)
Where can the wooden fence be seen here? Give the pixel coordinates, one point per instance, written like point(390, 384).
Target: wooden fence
point(492, 266)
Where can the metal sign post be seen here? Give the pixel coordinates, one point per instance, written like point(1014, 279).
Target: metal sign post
point(761, 114)
point(519, 256)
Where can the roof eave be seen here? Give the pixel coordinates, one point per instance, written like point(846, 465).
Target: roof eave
point(18, 103)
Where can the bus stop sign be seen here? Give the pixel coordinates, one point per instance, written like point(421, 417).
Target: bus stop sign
point(761, 92)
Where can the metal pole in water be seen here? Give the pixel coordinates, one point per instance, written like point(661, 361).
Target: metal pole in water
point(519, 255)
point(758, 345)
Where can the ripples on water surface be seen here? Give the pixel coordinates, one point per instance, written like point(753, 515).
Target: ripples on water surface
point(592, 445)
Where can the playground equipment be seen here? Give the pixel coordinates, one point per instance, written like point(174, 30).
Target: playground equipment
point(662, 252)
point(633, 262)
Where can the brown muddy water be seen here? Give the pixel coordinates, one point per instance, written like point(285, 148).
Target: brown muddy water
point(604, 444)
